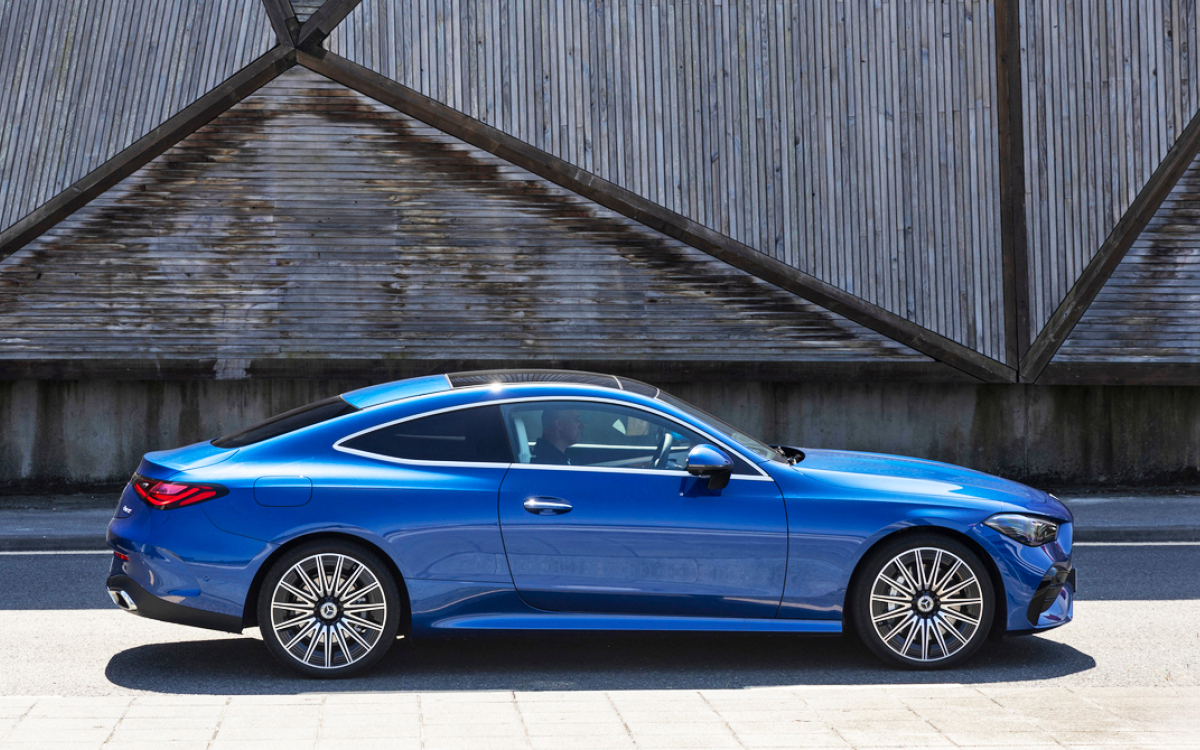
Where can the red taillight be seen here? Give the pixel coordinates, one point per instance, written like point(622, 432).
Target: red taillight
point(121, 556)
point(167, 495)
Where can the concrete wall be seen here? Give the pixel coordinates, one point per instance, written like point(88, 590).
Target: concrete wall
point(67, 434)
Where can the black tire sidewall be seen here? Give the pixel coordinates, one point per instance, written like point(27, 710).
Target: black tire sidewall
point(860, 599)
point(376, 565)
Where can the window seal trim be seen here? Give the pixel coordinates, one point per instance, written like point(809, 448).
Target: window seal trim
point(762, 475)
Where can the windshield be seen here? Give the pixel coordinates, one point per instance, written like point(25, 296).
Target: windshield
point(754, 445)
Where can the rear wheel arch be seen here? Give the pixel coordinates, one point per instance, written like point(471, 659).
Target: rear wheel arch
point(999, 622)
point(250, 606)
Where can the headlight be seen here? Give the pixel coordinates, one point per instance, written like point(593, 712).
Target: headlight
point(1031, 530)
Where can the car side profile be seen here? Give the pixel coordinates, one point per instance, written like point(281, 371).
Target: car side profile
point(520, 500)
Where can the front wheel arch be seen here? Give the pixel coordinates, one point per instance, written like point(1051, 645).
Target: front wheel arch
point(999, 622)
point(250, 606)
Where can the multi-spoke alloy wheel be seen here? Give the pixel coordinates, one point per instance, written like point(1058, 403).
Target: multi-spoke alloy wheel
point(924, 602)
point(328, 610)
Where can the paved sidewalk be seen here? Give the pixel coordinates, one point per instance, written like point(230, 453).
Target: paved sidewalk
point(796, 717)
point(69, 522)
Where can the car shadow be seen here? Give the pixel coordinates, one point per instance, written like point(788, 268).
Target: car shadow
point(578, 662)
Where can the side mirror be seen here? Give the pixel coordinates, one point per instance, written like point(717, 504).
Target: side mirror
point(709, 461)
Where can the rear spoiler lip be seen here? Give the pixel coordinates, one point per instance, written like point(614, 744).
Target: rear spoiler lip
point(164, 465)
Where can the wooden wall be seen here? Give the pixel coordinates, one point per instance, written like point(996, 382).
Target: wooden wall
point(83, 79)
point(1149, 311)
point(305, 8)
point(1108, 87)
point(312, 223)
point(855, 141)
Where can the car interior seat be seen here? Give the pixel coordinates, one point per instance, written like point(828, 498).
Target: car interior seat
point(523, 454)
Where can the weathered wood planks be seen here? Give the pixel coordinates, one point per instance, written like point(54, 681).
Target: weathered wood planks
point(84, 79)
point(305, 8)
point(1109, 87)
point(1148, 312)
point(856, 142)
point(310, 223)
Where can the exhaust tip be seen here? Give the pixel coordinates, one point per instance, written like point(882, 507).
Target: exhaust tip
point(122, 599)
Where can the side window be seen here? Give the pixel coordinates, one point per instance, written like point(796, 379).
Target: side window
point(296, 419)
point(582, 433)
point(474, 435)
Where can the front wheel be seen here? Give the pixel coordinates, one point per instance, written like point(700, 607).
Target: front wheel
point(923, 602)
point(329, 609)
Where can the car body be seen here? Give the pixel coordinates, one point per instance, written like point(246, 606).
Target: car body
point(665, 518)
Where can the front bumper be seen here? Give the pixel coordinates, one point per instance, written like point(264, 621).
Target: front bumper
point(1054, 600)
point(132, 598)
point(1039, 582)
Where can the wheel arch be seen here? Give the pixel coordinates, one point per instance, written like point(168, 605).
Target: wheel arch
point(999, 594)
point(250, 606)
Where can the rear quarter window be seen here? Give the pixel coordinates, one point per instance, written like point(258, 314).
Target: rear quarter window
point(474, 435)
point(290, 421)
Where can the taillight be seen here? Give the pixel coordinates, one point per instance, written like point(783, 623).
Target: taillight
point(167, 495)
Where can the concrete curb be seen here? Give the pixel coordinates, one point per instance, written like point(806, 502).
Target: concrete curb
point(87, 542)
point(1139, 534)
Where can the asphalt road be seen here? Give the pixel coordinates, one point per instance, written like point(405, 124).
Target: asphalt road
point(1137, 624)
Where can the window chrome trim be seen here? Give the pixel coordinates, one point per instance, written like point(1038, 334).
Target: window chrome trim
point(762, 475)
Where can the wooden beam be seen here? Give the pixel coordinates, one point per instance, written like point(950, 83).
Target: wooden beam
point(322, 23)
point(611, 196)
point(190, 119)
point(1014, 240)
point(1112, 252)
point(656, 371)
point(1121, 373)
point(283, 20)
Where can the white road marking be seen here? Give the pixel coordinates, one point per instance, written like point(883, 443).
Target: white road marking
point(1137, 544)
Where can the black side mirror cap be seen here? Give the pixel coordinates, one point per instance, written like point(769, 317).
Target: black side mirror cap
point(711, 462)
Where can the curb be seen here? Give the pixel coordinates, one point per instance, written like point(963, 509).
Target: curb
point(66, 543)
point(1139, 534)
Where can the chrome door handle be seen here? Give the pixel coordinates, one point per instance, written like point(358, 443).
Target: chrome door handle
point(546, 506)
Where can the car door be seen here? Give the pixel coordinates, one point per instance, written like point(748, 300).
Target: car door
point(620, 527)
point(427, 484)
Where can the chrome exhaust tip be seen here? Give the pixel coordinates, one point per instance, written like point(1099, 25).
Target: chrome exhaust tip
point(122, 599)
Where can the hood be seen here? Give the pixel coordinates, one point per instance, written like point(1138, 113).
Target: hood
point(878, 472)
point(165, 464)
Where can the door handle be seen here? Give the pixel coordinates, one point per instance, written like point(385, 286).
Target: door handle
point(547, 506)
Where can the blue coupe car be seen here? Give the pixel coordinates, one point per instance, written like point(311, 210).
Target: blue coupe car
point(567, 501)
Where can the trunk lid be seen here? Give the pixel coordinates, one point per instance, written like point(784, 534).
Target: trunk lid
point(165, 464)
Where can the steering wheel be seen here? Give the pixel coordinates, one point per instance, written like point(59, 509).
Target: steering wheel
point(663, 453)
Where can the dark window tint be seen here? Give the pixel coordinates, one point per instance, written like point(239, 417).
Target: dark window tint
point(296, 419)
point(487, 377)
point(475, 435)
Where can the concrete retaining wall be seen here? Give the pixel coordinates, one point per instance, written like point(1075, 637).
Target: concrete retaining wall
point(59, 434)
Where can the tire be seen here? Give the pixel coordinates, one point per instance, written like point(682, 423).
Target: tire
point(932, 618)
point(333, 626)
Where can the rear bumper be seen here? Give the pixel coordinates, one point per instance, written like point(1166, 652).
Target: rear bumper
point(148, 605)
point(185, 569)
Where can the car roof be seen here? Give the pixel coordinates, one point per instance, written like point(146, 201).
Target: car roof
point(411, 387)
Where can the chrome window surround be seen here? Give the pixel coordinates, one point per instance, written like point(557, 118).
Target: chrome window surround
point(762, 475)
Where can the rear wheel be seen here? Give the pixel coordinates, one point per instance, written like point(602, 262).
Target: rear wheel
point(329, 609)
point(923, 602)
